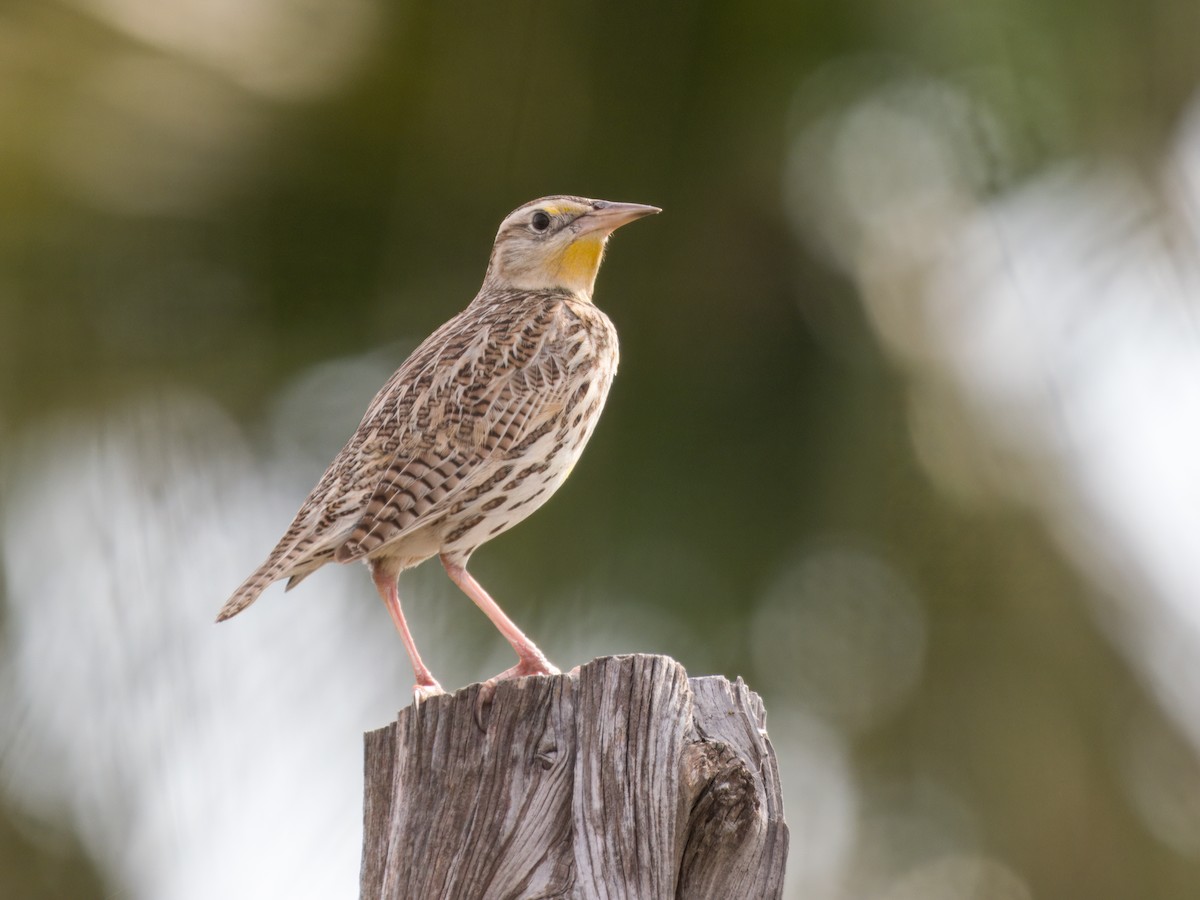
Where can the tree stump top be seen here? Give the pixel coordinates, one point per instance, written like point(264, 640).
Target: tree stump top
point(625, 779)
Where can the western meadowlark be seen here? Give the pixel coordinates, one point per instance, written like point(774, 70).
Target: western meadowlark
point(478, 427)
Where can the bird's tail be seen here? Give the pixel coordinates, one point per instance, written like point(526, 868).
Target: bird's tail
point(265, 575)
point(295, 557)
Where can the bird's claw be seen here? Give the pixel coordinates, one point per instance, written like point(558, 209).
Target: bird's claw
point(529, 666)
point(483, 703)
point(487, 689)
point(423, 692)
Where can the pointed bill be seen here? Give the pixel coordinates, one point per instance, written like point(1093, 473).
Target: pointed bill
point(606, 217)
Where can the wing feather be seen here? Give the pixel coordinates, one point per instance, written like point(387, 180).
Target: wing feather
point(447, 426)
point(499, 396)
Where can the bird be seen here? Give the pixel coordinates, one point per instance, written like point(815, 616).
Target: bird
point(479, 426)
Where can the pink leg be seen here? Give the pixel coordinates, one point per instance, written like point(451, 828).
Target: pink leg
point(385, 583)
point(532, 660)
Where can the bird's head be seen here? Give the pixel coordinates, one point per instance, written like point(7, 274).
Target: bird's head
point(557, 242)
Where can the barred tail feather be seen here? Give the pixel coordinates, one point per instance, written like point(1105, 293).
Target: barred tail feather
point(294, 558)
point(250, 590)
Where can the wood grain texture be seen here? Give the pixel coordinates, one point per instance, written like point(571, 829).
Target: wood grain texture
point(625, 779)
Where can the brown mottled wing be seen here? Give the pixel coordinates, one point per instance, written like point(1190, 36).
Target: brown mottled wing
point(483, 406)
point(332, 508)
point(470, 394)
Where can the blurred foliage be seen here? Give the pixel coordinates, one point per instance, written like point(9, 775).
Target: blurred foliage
point(43, 866)
point(170, 218)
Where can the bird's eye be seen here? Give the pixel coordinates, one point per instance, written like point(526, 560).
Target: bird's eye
point(540, 221)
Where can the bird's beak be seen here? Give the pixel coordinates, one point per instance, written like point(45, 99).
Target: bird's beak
point(606, 217)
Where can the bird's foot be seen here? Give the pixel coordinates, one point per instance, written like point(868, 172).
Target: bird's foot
point(529, 665)
point(424, 690)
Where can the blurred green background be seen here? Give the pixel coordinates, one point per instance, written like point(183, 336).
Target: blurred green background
point(222, 225)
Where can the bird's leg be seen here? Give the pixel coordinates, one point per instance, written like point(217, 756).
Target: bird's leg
point(531, 660)
point(385, 582)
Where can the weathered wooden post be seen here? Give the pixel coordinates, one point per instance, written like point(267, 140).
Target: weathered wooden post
point(625, 779)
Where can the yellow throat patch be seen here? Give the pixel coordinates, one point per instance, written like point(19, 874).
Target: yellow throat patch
point(579, 263)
